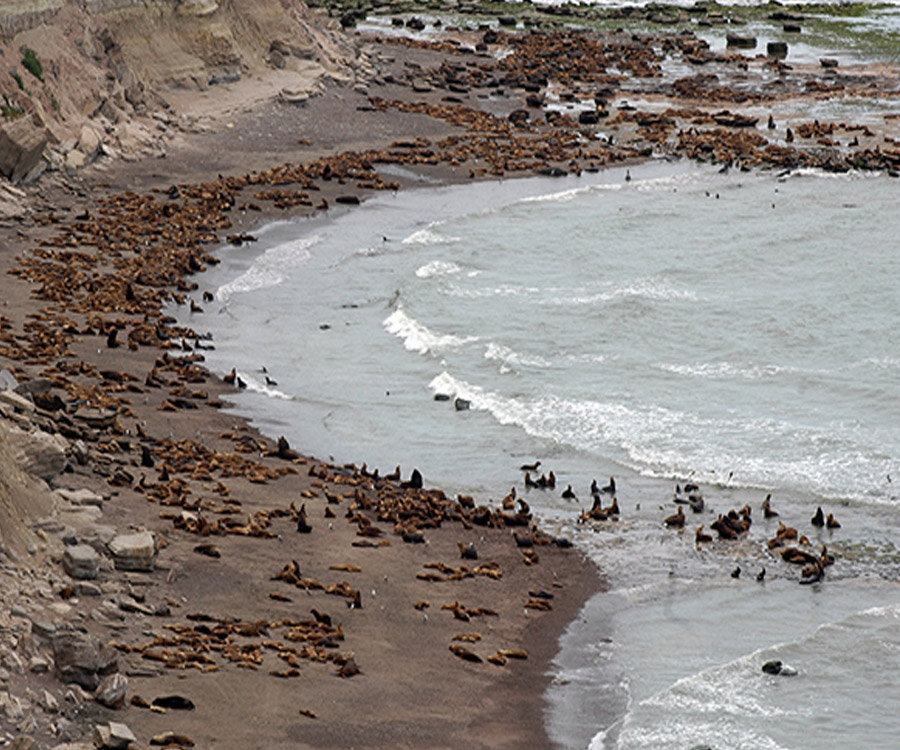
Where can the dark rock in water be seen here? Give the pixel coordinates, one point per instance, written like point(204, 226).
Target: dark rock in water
point(828, 62)
point(348, 200)
point(441, 396)
point(772, 667)
point(792, 28)
point(417, 24)
point(506, 20)
point(462, 404)
point(777, 49)
point(742, 42)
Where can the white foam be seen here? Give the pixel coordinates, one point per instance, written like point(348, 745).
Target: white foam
point(437, 268)
point(429, 236)
point(724, 370)
point(510, 357)
point(270, 268)
point(418, 337)
point(256, 386)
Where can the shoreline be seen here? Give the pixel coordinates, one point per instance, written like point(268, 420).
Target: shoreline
point(401, 698)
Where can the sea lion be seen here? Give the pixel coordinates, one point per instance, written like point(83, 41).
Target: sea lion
point(700, 536)
point(467, 552)
point(676, 521)
point(767, 508)
point(568, 493)
point(831, 522)
point(530, 467)
point(610, 489)
point(819, 518)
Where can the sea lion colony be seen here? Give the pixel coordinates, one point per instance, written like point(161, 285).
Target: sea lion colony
point(105, 276)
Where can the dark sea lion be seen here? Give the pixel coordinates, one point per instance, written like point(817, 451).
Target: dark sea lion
point(676, 521)
point(819, 518)
point(568, 493)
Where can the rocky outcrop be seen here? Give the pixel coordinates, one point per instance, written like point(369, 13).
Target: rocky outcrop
point(108, 63)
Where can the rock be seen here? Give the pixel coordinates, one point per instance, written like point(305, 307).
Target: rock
point(43, 629)
point(742, 42)
point(81, 562)
point(289, 95)
point(22, 144)
point(23, 742)
point(80, 497)
point(12, 662)
point(16, 401)
point(82, 659)
point(89, 141)
point(133, 551)
point(38, 453)
point(113, 736)
point(111, 692)
point(49, 702)
point(461, 404)
point(11, 707)
point(38, 664)
point(75, 159)
point(7, 380)
point(777, 49)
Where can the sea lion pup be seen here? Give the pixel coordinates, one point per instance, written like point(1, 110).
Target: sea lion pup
point(812, 572)
point(831, 522)
point(785, 532)
point(610, 489)
point(700, 537)
point(767, 507)
point(819, 518)
point(530, 467)
point(676, 521)
point(569, 494)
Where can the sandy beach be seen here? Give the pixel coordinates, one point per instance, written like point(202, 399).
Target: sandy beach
point(293, 602)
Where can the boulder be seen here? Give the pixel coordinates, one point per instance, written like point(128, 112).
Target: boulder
point(38, 453)
point(113, 736)
point(88, 141)
point(82, 562)
point(111, 692)
point(21, 145)
point(133, 551)
point(82, 659)
point(777, 49)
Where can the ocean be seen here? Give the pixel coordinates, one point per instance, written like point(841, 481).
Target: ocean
point(663, 324)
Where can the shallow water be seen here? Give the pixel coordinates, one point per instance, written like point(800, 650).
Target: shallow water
point(740, 330)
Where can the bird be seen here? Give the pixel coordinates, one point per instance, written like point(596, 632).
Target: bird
point(736, 573)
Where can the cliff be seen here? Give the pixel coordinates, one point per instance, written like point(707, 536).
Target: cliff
point(87, 70)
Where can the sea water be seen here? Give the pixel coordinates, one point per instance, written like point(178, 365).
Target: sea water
point(661, 324)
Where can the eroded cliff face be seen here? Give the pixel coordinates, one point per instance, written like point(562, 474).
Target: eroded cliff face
point(64, 63)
